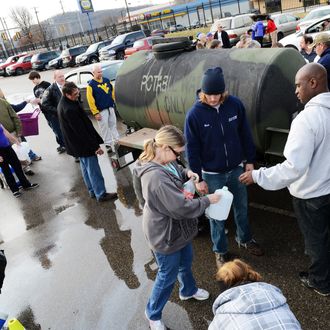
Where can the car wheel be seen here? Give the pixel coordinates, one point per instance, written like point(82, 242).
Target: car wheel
point(19, 71)
point(93, 60)
point(280, 35)
point(120, 56)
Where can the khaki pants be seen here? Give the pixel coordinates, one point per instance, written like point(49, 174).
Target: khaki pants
point(273, 36)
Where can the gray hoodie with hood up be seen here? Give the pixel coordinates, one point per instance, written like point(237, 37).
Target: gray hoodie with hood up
point(169, 219)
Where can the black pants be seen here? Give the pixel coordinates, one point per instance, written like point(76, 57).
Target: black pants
point(260, 40)
point(314, 221)
point(10, 158)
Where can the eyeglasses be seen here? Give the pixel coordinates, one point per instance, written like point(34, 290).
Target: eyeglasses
point(177, 154)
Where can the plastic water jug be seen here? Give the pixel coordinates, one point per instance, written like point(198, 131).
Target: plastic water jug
point(189, 189)
point(220, 211)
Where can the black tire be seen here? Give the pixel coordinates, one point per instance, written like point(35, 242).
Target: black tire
point(170, 46)
point(280, 36)
point(120, 56)
point(93, 59)
point(19, 71)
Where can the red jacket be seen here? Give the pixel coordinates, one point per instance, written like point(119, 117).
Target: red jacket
point(271, 27)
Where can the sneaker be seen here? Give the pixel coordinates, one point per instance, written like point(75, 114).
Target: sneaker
point(155, 325)
point(252, 247)
point(303, 276)
point(107, 197)
point(221, 259)
point(36, 159)
point(17, 194)
point(33, 185)
point(60, 150)
point(201, 294)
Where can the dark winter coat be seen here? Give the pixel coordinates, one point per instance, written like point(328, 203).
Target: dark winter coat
point(224, 38)
point(218, 140)
point(80, 137)
point(50, 99)
point(325, 61)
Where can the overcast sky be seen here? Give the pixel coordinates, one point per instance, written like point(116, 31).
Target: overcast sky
point(48, 8)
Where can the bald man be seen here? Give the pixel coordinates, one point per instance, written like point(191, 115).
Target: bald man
point(100, 97)
point(306, 173)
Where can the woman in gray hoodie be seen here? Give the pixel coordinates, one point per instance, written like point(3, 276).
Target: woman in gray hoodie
point(169, 219)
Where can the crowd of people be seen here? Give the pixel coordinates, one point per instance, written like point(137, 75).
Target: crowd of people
point(218, 155)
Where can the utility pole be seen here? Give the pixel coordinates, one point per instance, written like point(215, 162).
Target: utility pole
point(128, 14)
point(62, 7)
point(41, 29)
point(8, 34)
point(2, 42)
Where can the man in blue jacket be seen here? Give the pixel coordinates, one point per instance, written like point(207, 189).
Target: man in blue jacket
point(322, 48)
point(219, 142)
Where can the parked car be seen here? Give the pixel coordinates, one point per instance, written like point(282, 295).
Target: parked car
point(177, 27)
point(117, 48)
point(40, 60)
point(293, 40)
point(235, 26)
point(159, 32)
point(22, 65)
point(92, 53)
point(9, 61)
point(285, 23)
point(313, 16)
point(142, 44)
point(69, 55)
point(56, 63)
point(83, 75)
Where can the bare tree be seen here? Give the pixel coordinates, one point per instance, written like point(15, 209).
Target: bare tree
point(23, 18)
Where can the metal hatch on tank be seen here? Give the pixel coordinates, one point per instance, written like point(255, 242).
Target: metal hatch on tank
point(151, 92)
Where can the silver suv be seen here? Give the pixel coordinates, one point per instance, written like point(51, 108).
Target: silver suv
point(235, 26)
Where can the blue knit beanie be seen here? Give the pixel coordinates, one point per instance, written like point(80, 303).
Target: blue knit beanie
point(213, 82)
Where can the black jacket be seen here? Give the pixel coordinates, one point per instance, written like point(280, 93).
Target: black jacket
point(224, 38)
point(50, 99)
point(80, 137)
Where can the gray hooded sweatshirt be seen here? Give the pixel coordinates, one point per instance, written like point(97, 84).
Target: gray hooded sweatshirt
point(169, 219)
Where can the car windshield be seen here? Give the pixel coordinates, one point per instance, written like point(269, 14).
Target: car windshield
point(65, 52)
point(110, 72)
point(225, 23)
point(316, 14)
point(9, 59)
point(138, 43)
point(118, 40)
point(21, 59)
point(92, 48)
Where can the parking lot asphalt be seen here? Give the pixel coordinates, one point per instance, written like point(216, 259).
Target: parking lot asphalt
point(74, 263)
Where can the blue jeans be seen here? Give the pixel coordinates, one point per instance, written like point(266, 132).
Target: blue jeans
point(240, 206)
point(92, 175)
point(54, 124)
point(172, 266)
point(313, 217)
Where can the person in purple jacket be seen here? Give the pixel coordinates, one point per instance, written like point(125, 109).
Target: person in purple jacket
point(259, 31)
point(9, 157)
point(219, 146)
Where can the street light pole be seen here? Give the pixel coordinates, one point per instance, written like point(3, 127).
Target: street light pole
point(128, 14)
point(41, 29)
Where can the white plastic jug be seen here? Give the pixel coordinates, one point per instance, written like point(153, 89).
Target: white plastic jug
point(22, 151)
point(220, 211)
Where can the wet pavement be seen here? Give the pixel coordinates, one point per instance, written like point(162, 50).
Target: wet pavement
point(77, 264)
